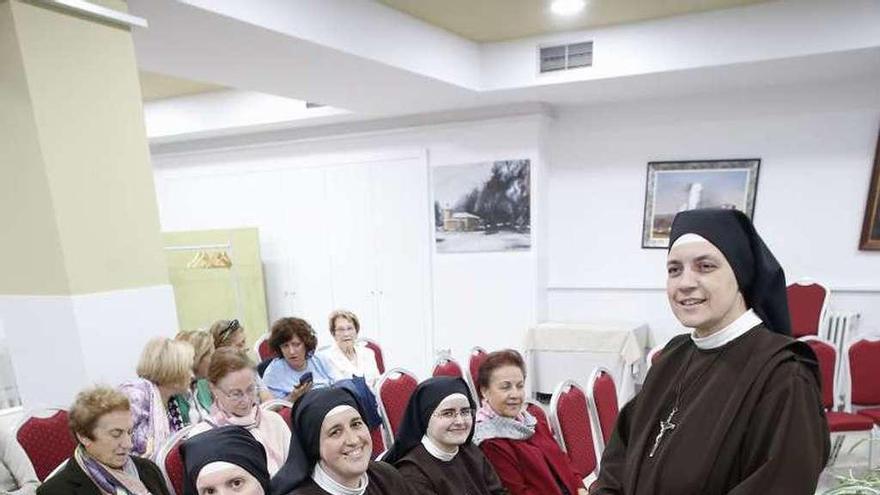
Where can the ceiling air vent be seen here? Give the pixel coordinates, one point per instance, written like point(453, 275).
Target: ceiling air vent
point(565, 57)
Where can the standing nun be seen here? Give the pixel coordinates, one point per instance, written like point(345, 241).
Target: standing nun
point(734, 407)
point(433, 448)
point(330, 450)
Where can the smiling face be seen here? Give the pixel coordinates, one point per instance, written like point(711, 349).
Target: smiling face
point(111, 439)
point(451, 422)
point(224, 478)
point(506, 391)
point(344, 332)
point(236, 392)
point(345, 446)
point(294, 352)
point(702, 287)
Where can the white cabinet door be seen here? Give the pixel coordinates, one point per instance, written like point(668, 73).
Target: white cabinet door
point(350, 245)
point(401, 226)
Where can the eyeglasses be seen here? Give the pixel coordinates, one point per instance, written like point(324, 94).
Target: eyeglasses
point(451, 414)
point(230, 328)
point(239, 395)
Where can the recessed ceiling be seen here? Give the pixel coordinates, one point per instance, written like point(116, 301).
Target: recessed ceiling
point(499, 20)
point(158, 86)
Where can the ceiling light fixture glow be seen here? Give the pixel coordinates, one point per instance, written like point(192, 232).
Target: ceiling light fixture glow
point(567, 7)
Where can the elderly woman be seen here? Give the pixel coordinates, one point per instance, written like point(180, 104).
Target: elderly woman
point(101, 422)
point(226, 460)
point(297, 369)
point(17, 476)
point(330, 451)
point(346, 358)
point(520, 447)
point(199, 399)
point(734, 406)
point(165, 370)
point(433, 449)
point(234, 386)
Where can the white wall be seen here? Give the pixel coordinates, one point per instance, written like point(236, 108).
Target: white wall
point(816, 146)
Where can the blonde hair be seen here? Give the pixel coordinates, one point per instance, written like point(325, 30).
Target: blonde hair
point(348, 315)
point(202, 342)
point(166, 362)
point(90, 405)
point(222, 334)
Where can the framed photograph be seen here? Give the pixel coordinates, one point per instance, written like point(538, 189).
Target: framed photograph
point(871, 227)
point(482, 207)
point(687, 185)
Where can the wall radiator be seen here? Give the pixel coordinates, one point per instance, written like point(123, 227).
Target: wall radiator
point(840, 327)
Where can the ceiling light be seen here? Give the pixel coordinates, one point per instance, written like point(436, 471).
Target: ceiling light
point(567, 7)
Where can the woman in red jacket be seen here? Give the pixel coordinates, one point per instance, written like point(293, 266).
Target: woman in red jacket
point(519, 446)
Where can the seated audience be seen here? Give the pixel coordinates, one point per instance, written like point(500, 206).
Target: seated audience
point(294, 342)
point(101, 422)
point(165, 370)
point(345, 357)
point(520, 447)
point(330, 451)
point(433, 449)
point(17, 476)
point(234, 387)
point(224, 461)
point(199, 399)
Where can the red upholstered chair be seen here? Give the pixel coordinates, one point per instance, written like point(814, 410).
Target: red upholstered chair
point(602, 394)
point(807, 305)
point(46, 439)
point(262, 349)
point(572, 427)
point(536, 409)
point(377, 350)
point(864, 367)
point(281, 406)
point(447, 366)
point(477, 356)
point(170, 461)
point(838, 421)
point(377, 434)
point(394, 390)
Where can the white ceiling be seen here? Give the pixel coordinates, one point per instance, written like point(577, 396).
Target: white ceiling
point(499, 20)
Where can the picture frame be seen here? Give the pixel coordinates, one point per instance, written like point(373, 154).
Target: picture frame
point(870, 239)
point(673, 186)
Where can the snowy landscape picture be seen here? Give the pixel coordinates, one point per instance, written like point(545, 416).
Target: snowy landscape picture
point(677, 186)
point(482, 207)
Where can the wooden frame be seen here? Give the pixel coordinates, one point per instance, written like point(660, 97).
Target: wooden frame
point(871, 227)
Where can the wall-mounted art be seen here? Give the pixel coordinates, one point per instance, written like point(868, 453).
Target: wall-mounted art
point(686, 185)
point(871, 226)
point(482, 207)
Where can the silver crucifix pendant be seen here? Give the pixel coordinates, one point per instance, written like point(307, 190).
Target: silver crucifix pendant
point(665, 426)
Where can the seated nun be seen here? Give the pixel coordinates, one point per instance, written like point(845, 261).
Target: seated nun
point(234, 386)
point(433, 449)
point(734, 406)
point(101, 421)
point(225, 461)
point(330, 451)
point(518, 445)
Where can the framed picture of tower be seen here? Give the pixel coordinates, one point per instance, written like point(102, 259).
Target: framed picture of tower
point(672, 187)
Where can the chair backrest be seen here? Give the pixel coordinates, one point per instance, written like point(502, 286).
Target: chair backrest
point(170, 461)
point(447, 366)
point(378, 437)
point(571, 422)
point(827, 354)
point(46, 439)
point(477, 356)
point(377, 350)
point(602, 394)
point(537, 410)
point(262, 349)
point(807, 304)
point(395, 388)
point(864, 369)
point(280, 406)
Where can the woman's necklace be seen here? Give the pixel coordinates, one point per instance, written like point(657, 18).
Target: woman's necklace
point(667, 424)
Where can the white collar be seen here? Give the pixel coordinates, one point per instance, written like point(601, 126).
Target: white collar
point(333, 487)
point(436, 451)
point(737, 328)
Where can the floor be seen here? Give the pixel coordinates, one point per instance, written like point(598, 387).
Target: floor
point(852, 461)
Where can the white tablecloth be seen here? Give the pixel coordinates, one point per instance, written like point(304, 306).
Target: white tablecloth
point(571, 351)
